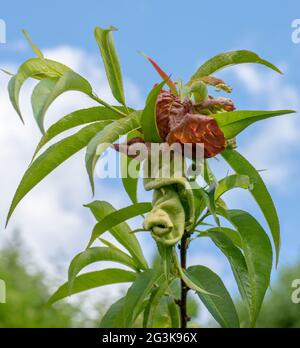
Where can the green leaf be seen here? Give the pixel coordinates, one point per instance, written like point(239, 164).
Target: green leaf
point(78, 118)
point(223, 240)
point(148, 118)
point(258, 255)
point(111, 62)
point(187, 279)
point(52, 158)
point(137, 293)
point(226, 59)
point(174, 313)
point(93, 280)
point(130, 183)
point(154, 301)
point(97, 254)
point(34, 48)
point(113, 318)
point(221, 306)
point(105, 138)
point(229, 233)
point(115, 218)
point(33, 68)
point(122, 232)
point(48, 90)
point(259, 191)
point(232, 123)
point(230, 182)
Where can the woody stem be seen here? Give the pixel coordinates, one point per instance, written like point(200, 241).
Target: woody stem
point(184, 288)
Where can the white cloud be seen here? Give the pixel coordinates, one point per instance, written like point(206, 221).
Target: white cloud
point(51, 218)
point(275, 142)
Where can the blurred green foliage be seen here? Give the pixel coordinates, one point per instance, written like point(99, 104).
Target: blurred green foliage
point(278, 310)
point(27, 295)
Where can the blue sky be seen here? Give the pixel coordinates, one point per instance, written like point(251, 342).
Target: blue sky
point(179, 35)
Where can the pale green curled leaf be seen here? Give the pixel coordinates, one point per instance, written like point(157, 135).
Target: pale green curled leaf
point(47, 90)
point(111, 62)
point(136, 295)
point(173, 310)
point(91, 280)
point(221, 306)
point(34, 47)
point(258, 255)
point(234, 122)
point(104, 139)
point(148, 118)
point(115, 218)
point(92, 255)
point(122, 232)
point(52, 158)
point(78, 118)
point(130, 182)
point(230, 182)
point(227, 59)
point(33, 68)
point(259, 191)
point(113, 318)
point(224, 241)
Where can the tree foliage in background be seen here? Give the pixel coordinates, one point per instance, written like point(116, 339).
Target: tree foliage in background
point(28, 293)
point(177, 216)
